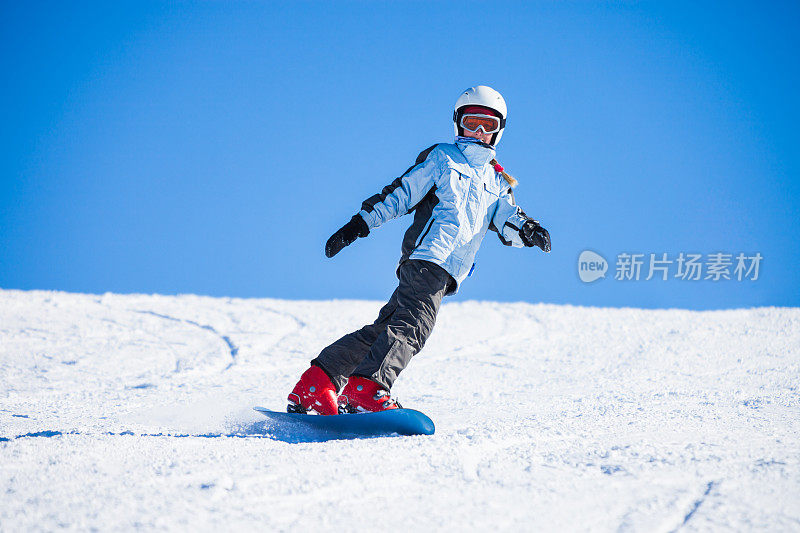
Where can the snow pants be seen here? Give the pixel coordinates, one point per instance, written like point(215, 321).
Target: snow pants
point(381, 350)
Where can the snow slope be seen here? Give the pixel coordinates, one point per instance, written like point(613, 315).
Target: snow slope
point(132, 411)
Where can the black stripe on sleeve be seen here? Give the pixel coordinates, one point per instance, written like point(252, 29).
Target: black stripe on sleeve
point(369, 204)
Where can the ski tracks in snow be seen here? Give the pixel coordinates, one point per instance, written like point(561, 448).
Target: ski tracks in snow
point(232, 349)
point(697, 503)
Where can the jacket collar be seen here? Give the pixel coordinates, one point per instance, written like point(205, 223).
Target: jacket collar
point(477, 154)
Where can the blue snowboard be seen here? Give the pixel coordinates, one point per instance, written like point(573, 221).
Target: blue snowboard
point(293, 427)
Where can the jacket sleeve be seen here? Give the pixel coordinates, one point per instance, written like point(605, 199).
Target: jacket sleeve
point(400, 196)
point(508, 219)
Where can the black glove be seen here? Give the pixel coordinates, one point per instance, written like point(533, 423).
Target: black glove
point(533, 234)
point(346, 235)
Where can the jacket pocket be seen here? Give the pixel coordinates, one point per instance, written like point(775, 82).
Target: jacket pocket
point(424, 233)
point(461, 190)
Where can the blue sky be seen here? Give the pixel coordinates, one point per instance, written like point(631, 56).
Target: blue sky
point(213, 147)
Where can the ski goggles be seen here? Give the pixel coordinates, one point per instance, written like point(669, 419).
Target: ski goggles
point(474, 122)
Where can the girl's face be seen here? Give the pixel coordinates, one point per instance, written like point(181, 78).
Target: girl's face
point(483, 137)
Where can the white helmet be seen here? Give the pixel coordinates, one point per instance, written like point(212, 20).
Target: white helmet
point(485, 97)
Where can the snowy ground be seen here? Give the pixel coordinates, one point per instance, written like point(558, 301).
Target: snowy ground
point(123, 412)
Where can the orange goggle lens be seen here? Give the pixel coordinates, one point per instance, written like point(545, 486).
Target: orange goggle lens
point(473, 123)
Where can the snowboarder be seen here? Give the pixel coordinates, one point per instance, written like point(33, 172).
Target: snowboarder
point(457, 192)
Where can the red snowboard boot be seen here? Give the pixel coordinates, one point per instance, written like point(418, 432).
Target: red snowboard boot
point(314, 392)
point(362, 395)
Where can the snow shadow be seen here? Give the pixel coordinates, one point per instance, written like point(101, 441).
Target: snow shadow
point(256, 430)
point(291, 433)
